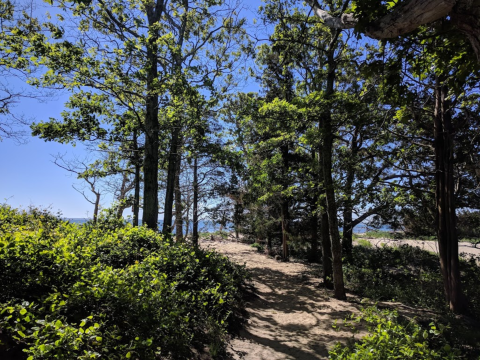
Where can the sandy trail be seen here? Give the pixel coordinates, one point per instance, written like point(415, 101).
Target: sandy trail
point(291, 318)
point(432, 246)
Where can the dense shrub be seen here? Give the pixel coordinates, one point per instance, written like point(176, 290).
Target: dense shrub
point(468, 225)
point(412, 276)
point(78, 292)
point(409, 275)
point(393, 337)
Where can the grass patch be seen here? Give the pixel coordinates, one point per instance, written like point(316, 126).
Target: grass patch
point(474, 241)
point(222, 234)
point(365, 243)
point(380, 234)
point(258, 246)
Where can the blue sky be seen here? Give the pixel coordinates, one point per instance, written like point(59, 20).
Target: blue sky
point(28, 177)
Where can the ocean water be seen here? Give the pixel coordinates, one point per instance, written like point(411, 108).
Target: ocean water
point(363, 228)
point(203, 226)
point(210, 226)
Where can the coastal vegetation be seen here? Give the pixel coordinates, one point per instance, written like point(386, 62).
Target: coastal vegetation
point(104, 290)
point(334, 130)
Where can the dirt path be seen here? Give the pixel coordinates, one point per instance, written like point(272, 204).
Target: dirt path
point(291, 318)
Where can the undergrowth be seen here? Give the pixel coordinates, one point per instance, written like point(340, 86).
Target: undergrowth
point(411, 276)
point(394, 337)
point(110, 291)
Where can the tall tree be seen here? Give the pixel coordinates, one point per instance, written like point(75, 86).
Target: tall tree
point(144, 57)
point(435, 65)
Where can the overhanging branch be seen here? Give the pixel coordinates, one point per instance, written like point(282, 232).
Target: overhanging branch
point(403, 19)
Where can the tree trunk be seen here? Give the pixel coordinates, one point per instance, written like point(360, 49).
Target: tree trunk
point(237, 215)
point(150, 164)
point(313, 253)
point(285, 229)
point(284, 207)
point(121, 198)
point(328, 136)
point(326, 247)
point(178, 197)
point(332, 211)
point(466, 17)
point(324, 230)
point(97, 207)
point(347, 241)
point(445, 202)
point(171, 171)
point(195, 202)
point(136, 197)
point(187, 217)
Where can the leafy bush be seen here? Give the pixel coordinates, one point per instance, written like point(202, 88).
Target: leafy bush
point(404, 274)
point(381, 234)
point(364, 243)
point(412, 276)
point(258, 246)
point(468, 224)
point(78, 292)
point(394, 337)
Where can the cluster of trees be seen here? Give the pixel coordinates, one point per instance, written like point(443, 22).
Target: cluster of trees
point(343, 128)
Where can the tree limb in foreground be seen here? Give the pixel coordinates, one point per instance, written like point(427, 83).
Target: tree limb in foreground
point(464, 14)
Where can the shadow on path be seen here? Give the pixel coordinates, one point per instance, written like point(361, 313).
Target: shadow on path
point(290, 318)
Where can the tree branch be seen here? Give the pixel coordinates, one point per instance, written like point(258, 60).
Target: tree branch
point(403, 19)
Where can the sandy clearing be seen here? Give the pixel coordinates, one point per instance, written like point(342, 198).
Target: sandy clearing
point(463, 247)
point(292, 317)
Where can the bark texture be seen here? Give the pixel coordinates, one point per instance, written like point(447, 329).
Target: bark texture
point(465, 15)
point(328, 137)
point(150, 164)
point(285, 210)
point(347, 240)
point(195, 203)
point(97, 207)
point(136, 197)
point(178, 197)
point(171, 171)
point(325, 228)
point(445, 203)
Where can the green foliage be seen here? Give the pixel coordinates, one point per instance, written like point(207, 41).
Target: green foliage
point(364, 243)
point(412, 276)
point(81, 292)
point(394, 337)
point(259, 247)
point(468, 225)
point(406, 274)
point(379, 234)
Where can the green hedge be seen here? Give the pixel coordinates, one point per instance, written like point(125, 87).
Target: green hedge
point(96, 291)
